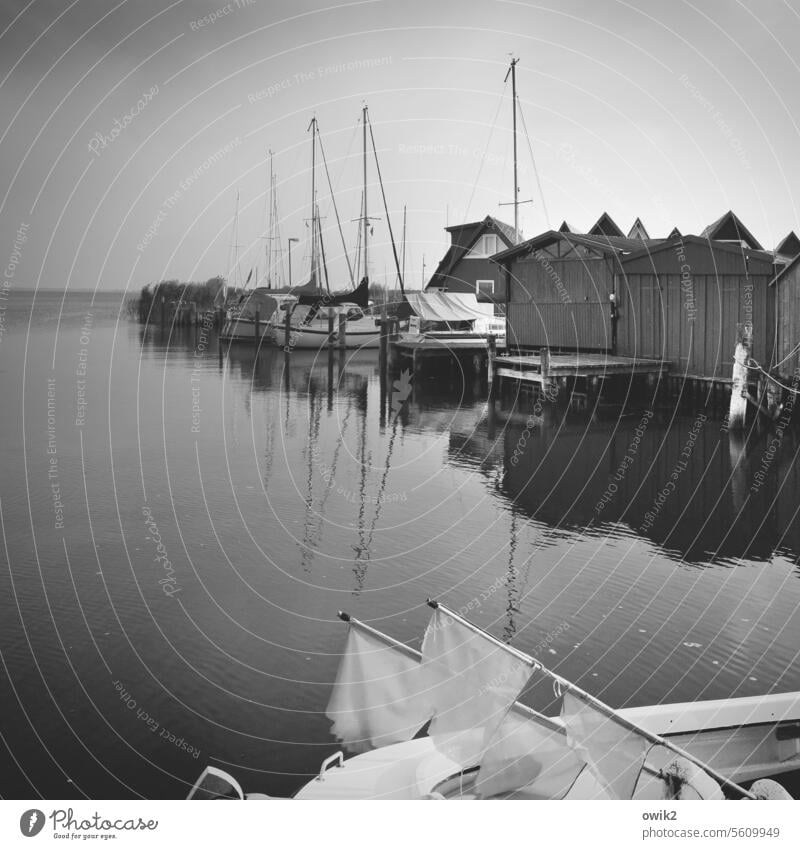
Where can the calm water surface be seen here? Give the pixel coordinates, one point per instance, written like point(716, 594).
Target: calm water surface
point(179, 533)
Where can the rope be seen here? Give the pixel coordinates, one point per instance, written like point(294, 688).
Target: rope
point(336, 212)
point(535, 169)
point(385, 206)
point(322, 251)
point(754, 364)
point(486, 149)
point(790, 354)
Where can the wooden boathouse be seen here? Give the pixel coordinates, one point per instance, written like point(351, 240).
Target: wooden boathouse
point(467, 265)
point(786, 290)
point(678, 304)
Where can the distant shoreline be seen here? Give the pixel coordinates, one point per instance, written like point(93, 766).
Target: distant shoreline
point(71, 290)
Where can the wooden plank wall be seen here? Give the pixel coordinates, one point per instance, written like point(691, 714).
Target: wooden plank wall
point(582, 326)
point(685, 306)
point(788, 305)
point(560, 303)
point(697, 335)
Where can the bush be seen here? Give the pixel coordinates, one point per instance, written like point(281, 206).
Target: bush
point(175, 293)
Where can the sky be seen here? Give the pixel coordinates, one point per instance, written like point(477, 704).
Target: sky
point(129, 127)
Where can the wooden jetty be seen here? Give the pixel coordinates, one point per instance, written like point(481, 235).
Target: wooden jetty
point(441, 347)
point(544, 368)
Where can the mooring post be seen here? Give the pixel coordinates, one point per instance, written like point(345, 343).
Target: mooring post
point(257, 330)
point(544, 359)
point(163, 310)
point(287, 332)
point(342, 331)
point(331, 338)
point(383, 359)
point(738, 405)
point(544, 363)
point(491, 371)
point(773, 392)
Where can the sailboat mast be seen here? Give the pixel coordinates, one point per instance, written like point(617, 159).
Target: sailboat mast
point(314, 201)
point(366, 220)
point(270, 224)
point(403, 265)
point(514, 125)
point(237, 278)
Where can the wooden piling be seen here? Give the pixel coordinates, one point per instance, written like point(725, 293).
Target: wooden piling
point(287, 332)
point(774, 391)
point(342, 336)
point(491, 371)
point(738, 402)
point(257, 326)
point(163, 311)
point(383, 359)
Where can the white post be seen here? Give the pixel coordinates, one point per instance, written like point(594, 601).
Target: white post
point(738, 407)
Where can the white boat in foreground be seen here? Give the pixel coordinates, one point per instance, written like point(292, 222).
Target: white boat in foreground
point(482, 743)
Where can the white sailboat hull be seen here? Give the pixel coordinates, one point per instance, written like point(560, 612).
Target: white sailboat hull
point(244, 330)
point(744, 739)
point(363, 333)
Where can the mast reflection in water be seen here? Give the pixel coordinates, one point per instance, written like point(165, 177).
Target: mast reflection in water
point(635, 553)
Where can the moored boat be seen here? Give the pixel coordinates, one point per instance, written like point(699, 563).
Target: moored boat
point(262, 305)
point(464, 689)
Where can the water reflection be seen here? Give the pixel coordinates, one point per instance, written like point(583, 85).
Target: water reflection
point(682, 482)
point(312, 485)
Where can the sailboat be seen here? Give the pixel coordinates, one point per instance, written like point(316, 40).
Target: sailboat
point(482, 742)
point(310, 321)
point(264, 305)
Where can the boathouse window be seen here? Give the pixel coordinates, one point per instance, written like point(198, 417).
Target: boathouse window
point(484, 287)
point(487, 245)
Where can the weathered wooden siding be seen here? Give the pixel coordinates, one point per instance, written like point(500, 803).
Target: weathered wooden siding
point(695, 330)
point(560, 303)
point(684, 303)
point(788, 330)
point(583, 326)
point(466, 272)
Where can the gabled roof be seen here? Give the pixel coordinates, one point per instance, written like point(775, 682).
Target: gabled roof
point(488, 223)
point(605, 226)
point(638, 230)
point(674, 232)
point(566, 228)
point(463, 239)
point(782, 273)
point(613, 245)
point(789, 246)
point(655, 245)
point(728, 228)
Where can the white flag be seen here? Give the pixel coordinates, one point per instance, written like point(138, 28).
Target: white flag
point(377, 698)
point(471, 682)
point(529, 752)
point(614, 754)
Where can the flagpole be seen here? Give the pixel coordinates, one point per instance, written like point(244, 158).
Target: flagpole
point(533, 715)
point(346, 617)
point(600, 706)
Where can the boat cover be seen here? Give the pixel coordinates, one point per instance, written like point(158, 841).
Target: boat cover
point(448, 306)
point(310, 295)
point(257, 300)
